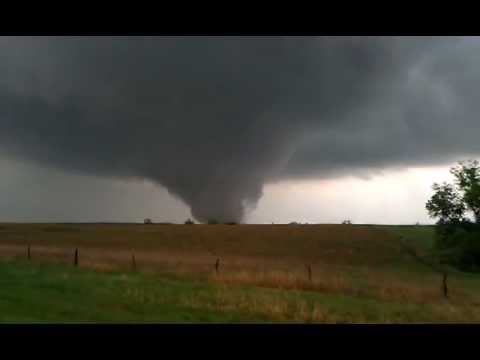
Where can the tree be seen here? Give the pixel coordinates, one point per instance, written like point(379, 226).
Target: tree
point(446, 204)
point(467, 175)
point(457, 240)
point(450, 203)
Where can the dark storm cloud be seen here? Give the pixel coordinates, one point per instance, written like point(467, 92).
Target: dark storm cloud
point(214, 119)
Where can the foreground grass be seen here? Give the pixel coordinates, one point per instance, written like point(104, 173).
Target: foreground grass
point(49, 293)
point(33, 293)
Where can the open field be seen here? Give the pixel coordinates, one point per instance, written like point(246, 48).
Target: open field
point(358, 274)
point(160, 247)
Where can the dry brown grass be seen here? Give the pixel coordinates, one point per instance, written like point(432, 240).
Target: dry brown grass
point(375, 285)
point(328, 244)
point(278, 307)
point(194, 249)
point(273, 308)
point(346, 260)
point(283, 280)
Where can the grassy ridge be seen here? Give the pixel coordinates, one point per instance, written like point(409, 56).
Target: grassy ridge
point(328, 244)
point(420, 236)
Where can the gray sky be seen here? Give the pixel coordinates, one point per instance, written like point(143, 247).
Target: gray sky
point(276, 129)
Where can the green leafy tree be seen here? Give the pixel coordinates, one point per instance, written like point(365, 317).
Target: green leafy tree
point(450, 202)
point(467, 175)
point(457, 239)
point(446, 204)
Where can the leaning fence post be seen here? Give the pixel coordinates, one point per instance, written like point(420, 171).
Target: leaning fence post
point(445, 289)
point(75, 259)
point(217, 265)
point(28, 252)
point(134, 263)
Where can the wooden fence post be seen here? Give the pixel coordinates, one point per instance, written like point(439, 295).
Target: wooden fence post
point(75, 259)
point(28, 252)
point(217, 265)
point(445, 289)
point(309, 268)
point(134, 263)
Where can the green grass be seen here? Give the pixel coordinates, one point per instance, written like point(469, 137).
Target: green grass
point(33, 293)
point(421, 236)
point(47, 293)
point(360, 275)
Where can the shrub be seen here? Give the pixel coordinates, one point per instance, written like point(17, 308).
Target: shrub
point(461, 244)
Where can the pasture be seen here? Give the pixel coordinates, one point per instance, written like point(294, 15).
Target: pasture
point(272, 273)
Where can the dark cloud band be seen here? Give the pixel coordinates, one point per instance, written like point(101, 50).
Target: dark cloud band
point(214, 119)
